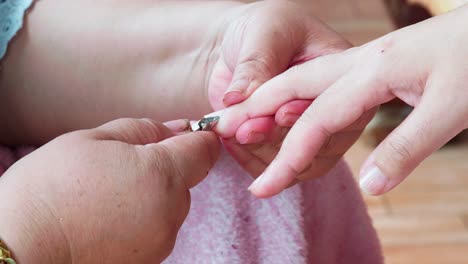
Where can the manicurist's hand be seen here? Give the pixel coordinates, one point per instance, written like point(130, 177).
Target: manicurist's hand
point(113, 194)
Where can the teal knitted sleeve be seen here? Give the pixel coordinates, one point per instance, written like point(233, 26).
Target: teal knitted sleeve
point(11, 20)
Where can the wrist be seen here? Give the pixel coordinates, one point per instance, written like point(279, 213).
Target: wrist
point(26, 232)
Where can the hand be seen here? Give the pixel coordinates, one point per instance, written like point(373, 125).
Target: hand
point(117, 64)
point(112, 194)
point(424, 65)
point(260, 41)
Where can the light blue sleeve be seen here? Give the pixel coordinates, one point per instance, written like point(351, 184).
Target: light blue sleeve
point(11, 20)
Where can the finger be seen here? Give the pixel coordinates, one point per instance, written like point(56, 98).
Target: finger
point(178, 126)
point(133, 131)
point(264, 151)
point(334, 148)
point(338, 143)
point(354, 96)
point(265, 52)
point(268, 51)
point(289, 113)
point(305, 81)
point(255, 130)
point(193, 155)
point(424, 131)
point(318, 168)
point(246, 159)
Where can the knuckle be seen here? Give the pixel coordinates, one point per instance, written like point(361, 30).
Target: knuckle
point(323, 131)
point(295, 170)
point(307, 173)
point(261, 63)
point(398, 151)
point(161, 161)
point(328, 146)
point(148, 129)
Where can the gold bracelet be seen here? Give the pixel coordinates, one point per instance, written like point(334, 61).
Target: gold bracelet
point(5, 254)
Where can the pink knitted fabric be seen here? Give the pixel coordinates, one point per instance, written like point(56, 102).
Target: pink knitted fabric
point(323, 221)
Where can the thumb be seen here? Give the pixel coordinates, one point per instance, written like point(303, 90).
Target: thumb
point(263, 54)
point(139, 131)
point(193, 154)
point(423, 132)
point(256, 65)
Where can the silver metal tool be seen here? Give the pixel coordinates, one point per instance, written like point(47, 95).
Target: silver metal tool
point(205, 124)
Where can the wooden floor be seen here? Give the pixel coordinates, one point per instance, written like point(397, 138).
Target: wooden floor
point(425, 220)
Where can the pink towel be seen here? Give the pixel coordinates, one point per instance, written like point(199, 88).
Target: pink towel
point(323, 221)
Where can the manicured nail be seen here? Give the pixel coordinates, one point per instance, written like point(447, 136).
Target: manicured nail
point(253, 138)
point(373, 182)
point(178, 125)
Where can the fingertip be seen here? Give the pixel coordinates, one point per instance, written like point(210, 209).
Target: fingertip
point(373, 181)
point(178, 126)
point(252, 138)
point(233, 97)
point(255, 130)
point(286, 119)
point(288, 114)
point(230, 119)
point(263, 190)
point(272, 181)
point(196, 152)
point(258, 190)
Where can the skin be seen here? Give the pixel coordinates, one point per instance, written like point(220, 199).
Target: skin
point(158, 59)
point(423, 65)
point(121, 192)
point(110, 59)
point(263, 50)
point(227, 52)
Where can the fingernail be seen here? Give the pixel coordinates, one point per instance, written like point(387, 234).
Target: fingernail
point(373, 182)
point(256, 182)
point(233, 97)
point(239, 85)
point(289, 119)
point(178, 125)
point(253, 137)
point(217, 113)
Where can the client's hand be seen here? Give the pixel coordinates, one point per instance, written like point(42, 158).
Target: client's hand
point(113, 194)
point(424, 65)
point(262, 40)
